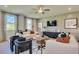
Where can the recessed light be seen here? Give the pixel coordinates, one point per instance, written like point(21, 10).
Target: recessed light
point(69, 9)
point(5, 6)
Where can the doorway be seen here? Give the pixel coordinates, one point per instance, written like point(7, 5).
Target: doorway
point(10, 25)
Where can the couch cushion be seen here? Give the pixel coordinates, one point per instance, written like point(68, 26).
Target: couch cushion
point(51, 34)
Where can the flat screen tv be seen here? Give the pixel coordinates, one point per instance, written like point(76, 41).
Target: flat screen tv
point(52, 23)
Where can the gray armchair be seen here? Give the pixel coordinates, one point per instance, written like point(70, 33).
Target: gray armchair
point(21, 46)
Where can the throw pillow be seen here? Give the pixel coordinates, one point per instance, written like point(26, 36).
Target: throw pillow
point(64, 39)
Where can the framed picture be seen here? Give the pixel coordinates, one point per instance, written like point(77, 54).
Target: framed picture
point(71, 23)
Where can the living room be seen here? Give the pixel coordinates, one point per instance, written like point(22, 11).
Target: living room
point(49, 21)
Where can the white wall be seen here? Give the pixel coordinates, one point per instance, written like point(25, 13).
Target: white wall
point(35, 24)
point(60, 23)
point(0, 27)
point(21, 22)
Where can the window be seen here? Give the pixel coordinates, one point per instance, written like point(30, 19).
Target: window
point(10, 21)
point(29, 24)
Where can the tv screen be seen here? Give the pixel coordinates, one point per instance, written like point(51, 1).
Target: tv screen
point(52, 23)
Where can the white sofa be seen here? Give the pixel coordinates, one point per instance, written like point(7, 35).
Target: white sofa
point(53, 47)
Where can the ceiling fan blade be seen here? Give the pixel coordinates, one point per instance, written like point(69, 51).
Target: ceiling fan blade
point(40, 9)
point(46, 9)
point(39, 13)
point(43, 12)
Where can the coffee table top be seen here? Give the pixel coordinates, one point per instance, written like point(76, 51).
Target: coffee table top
point(35, 36)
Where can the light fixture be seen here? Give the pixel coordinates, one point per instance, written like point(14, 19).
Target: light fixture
point(40, 10)
point(69, 9)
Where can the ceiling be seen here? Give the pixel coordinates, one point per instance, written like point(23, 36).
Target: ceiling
point(28, 10)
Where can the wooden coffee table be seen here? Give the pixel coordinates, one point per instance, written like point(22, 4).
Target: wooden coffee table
point(41, 41)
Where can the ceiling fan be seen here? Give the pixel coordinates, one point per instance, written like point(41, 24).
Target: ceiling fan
point(41, 9)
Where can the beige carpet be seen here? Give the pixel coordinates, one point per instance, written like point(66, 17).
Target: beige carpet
point(5, 48)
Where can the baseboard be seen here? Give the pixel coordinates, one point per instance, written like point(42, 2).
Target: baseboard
point(2, 40)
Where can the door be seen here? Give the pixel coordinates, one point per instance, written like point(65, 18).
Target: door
point(10, 25)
